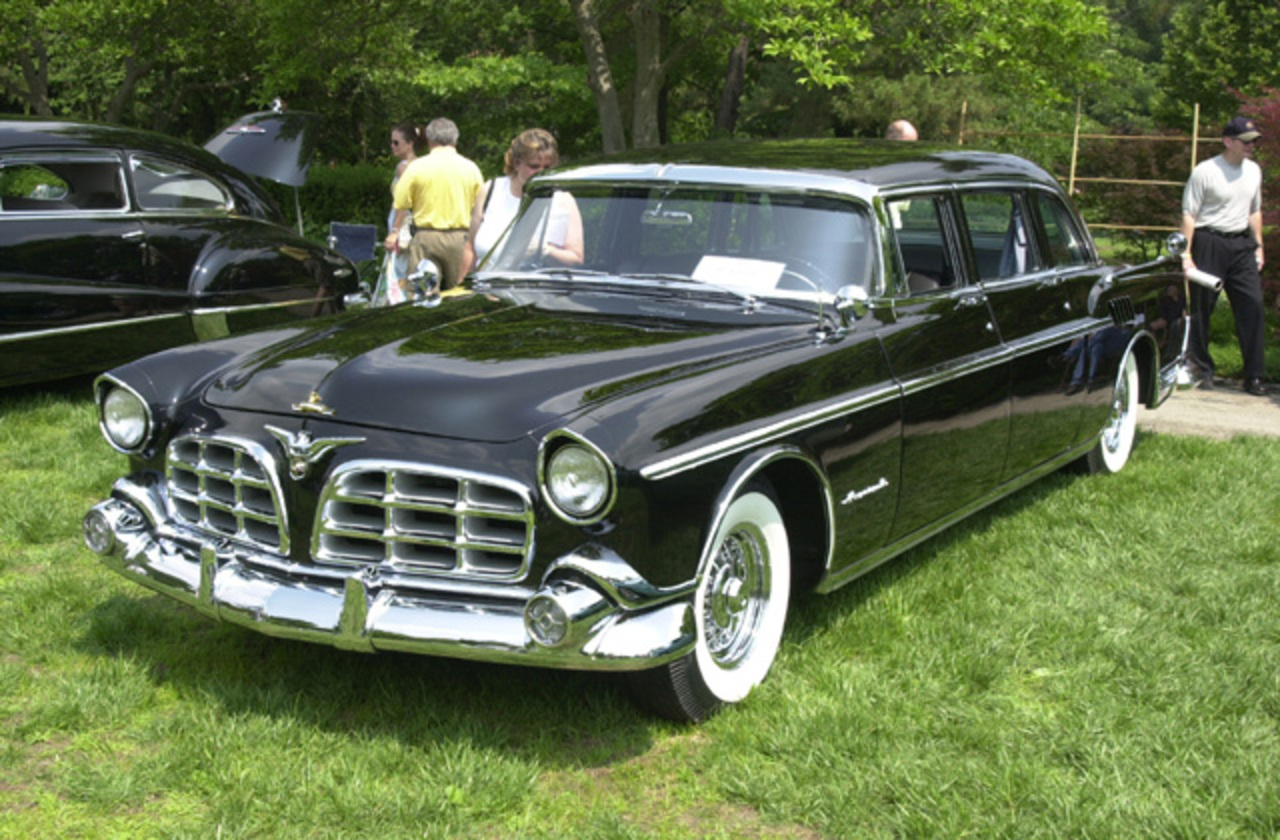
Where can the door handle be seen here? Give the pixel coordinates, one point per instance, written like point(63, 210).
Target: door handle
point(970, 300)
point(133, 235)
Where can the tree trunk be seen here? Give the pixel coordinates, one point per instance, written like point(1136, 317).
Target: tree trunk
point(646, 24)
point(735, 82)
point(133, 72)
point(599, 76)
point(34, 64)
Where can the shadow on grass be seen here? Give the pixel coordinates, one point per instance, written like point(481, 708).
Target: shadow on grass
point(557, 718)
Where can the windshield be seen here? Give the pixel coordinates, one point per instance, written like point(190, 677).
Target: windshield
point(752, 241)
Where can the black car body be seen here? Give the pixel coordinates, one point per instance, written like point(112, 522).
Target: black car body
point(776, 366)
point(115, 243)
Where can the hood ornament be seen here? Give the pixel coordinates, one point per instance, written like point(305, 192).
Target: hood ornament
point(313, 405)
point(304, 451)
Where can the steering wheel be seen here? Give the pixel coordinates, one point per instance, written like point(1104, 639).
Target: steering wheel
point(810, 274)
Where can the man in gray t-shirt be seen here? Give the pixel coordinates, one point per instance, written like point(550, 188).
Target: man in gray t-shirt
point(1222, 220)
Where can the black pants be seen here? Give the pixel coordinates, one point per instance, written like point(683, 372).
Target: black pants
point(1234, 259)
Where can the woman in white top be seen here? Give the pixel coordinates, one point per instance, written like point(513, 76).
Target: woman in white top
point(531, 152)
point(407, 140)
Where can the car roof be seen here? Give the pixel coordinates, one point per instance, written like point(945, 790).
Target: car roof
point(860, 167)
point(33, 133)
point(41, 135)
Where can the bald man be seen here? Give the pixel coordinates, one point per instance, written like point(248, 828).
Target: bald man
point(901, 130)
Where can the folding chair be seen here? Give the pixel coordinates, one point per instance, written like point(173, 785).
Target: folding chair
point(360, 244)
point(357, 243)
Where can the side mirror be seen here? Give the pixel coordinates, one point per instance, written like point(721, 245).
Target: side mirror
point(852, 301)
point(1176, 245)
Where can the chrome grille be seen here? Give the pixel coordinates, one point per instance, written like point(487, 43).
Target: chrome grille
point(225, 487)
point(420, 520)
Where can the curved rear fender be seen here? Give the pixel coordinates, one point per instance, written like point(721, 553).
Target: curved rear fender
point(268, 262)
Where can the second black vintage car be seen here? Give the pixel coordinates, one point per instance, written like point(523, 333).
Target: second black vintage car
point(115, 243)
point(680, 390)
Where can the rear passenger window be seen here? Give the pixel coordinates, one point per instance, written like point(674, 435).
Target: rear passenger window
point(165, 186)
point(998, 234)
point(1066, 245)
point(60, 186)
point(922, 243)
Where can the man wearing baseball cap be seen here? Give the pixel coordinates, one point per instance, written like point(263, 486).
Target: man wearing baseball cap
point(1222, 220)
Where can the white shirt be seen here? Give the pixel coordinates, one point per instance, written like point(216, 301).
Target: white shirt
point(497, 216)
point(1221, 197)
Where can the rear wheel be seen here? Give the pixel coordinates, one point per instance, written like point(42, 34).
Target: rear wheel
point(740, 607)
point(1111, 452)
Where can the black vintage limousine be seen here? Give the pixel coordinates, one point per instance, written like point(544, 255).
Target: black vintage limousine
point(115, 243)
point(767, 367)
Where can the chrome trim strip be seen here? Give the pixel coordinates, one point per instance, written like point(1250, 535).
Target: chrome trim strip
point(1047, 338)
point(977, 362)
point(258, 307)
point(677, 464)
point(83, 328)
point(203, 312)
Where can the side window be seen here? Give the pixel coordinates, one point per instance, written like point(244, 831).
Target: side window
point(60, 186)
point(998, 234)
point(1066, 245)
point(922, 243)
point(165, 186)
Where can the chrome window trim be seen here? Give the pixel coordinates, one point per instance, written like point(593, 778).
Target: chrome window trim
point(677, 464)
point(37, 158)
point(228, 199)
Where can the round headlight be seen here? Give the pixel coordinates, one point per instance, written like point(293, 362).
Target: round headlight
point(125, 420)
point(578, 481)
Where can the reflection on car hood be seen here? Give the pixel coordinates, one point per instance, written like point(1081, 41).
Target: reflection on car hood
point(272, 145)
point(479, 367)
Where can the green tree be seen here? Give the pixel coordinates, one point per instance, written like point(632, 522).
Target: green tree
point(1217, 51)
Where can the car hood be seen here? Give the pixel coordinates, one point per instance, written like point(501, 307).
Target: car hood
point(273, 145)
point(482, 368)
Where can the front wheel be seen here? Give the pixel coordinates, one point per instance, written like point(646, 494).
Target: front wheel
point(1111, 452)
point(740, 607)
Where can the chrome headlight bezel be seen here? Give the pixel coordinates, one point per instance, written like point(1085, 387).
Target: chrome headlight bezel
point(567, 459)
point(124, 417)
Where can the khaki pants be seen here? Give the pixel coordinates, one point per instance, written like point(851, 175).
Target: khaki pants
point(445, 248)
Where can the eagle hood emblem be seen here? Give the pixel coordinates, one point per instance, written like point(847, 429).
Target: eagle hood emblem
point(304, 451)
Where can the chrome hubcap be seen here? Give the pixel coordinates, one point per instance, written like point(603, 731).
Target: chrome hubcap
point(1113, 438)
point(736, 596)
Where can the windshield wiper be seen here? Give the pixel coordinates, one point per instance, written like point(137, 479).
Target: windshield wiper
point(566, 271)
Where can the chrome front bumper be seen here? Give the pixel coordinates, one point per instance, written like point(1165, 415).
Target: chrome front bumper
point(591, 612)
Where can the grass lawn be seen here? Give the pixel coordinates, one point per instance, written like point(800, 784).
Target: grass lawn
point(1093, 657)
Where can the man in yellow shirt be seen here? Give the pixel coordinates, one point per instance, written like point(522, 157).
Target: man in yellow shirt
point(440, 190)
